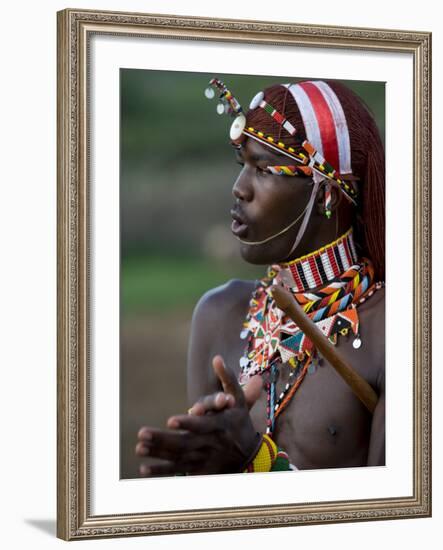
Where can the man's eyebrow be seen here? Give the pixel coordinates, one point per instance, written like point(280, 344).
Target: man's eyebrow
point(257, 157)
point(270, 158)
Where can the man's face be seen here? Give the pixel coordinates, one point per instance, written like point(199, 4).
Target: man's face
point(266, 203)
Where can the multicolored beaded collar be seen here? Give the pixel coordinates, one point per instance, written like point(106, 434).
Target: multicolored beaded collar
point(273, 339)
point(320, 267)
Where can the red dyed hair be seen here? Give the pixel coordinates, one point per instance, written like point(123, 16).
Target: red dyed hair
point(367, 160)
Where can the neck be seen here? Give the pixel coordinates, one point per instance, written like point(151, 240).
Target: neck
point(319, 267)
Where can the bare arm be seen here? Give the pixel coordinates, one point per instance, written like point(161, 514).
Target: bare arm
point(372, 318)
point(215, 329)
point(376, 455)
point(202, 347)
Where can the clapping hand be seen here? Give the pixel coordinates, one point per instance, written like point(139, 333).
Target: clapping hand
point(217, 436)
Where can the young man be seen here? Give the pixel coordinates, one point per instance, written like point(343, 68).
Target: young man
point(309, 203)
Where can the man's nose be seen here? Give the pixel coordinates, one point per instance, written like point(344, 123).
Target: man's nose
point(242, 188)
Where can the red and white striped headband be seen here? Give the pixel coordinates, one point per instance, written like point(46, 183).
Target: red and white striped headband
point(324, 122)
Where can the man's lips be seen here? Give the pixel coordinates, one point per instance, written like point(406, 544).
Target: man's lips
point(239, 226)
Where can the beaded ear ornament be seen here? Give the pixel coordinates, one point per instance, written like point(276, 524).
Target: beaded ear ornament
point(228, 105)
point(310, 162)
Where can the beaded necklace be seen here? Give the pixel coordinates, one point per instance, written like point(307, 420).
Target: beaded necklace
point(329, 284)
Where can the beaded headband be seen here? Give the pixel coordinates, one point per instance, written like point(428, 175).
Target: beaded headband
point(325, 126)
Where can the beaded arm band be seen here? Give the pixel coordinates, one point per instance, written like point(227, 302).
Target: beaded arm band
point(268, 458)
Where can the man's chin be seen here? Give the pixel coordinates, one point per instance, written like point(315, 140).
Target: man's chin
point(258, 254)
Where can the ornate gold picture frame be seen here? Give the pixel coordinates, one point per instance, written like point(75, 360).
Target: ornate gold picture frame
point(76, 516)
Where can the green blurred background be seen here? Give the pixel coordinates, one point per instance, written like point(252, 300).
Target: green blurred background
point(176, 174)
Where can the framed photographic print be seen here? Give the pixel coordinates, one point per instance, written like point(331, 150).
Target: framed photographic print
point(170, 255)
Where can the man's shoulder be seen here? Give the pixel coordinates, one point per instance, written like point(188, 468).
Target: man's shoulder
point(215, 329)
point(373, 309)
point(233, 294)
point(372, 320)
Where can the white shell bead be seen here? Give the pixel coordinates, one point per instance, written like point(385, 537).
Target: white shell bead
point(256, 100)
point(237, 127)
point(244, 361)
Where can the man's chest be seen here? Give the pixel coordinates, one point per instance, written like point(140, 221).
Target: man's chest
point(323, 424)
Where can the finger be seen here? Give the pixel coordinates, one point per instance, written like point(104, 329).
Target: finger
point(141, 449)
point(252, 390)
point(194, 425)
point(188, 454)
point(192, 463)
point(145, 433)
point(212, 403)
point(159, 470)
point(154, 436)
point(228, 380)
point(165, 447)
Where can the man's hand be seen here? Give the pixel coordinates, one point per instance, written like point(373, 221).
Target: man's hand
point(217, 437)
point(226, 399)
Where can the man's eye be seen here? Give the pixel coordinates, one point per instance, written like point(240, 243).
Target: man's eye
point(262, 171)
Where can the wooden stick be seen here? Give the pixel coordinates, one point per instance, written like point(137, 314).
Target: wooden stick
point(357, 383)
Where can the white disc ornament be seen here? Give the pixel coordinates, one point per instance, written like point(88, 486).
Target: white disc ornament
point(244, 362)
point(356, 343)
point(220, 109)
point(237, 127)
point(256, 100)
point(209, 93)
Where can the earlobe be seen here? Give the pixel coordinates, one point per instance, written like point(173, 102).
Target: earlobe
point(335, 199)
